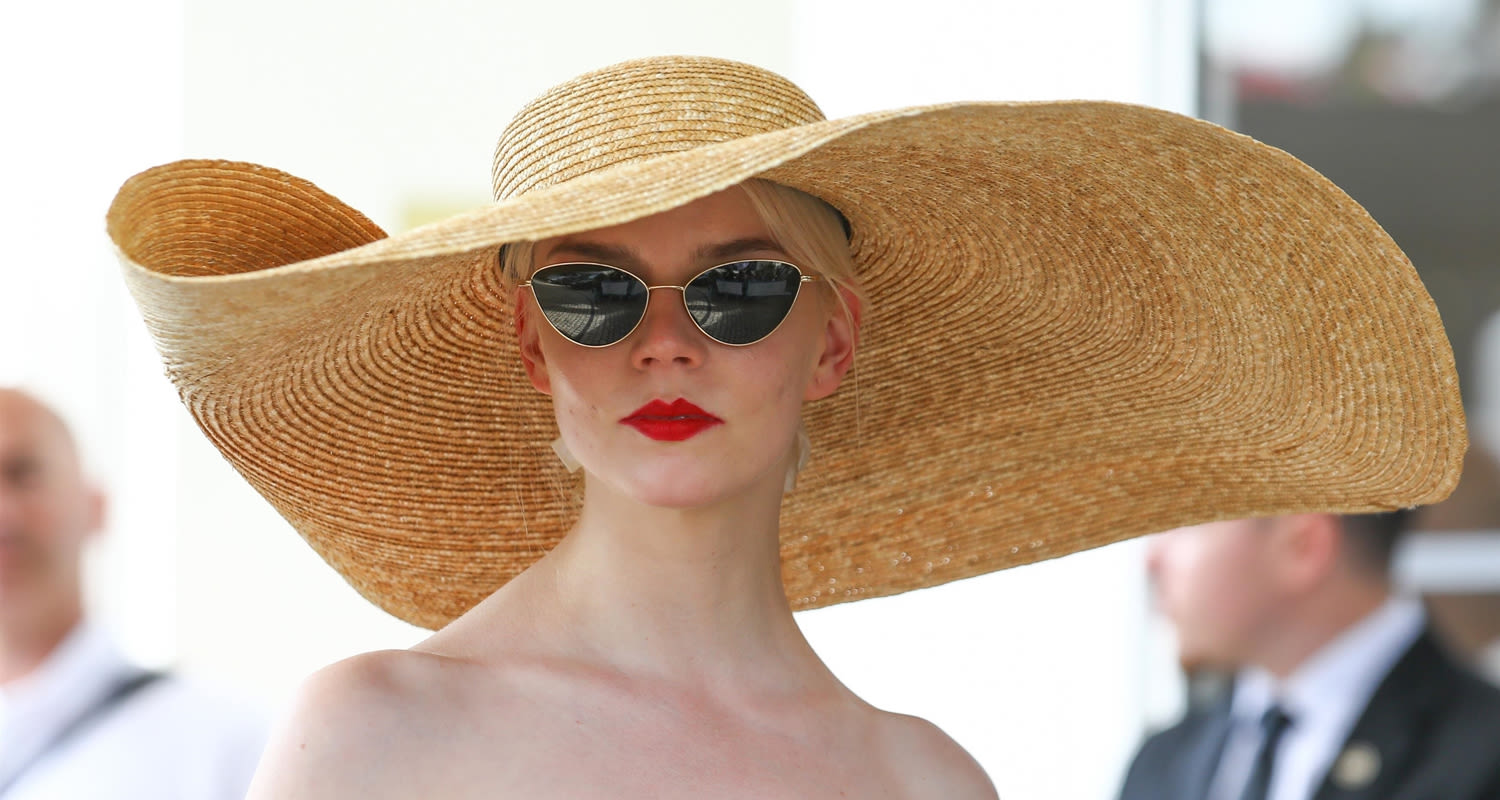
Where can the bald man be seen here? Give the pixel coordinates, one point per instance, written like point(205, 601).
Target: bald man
point(77, 720)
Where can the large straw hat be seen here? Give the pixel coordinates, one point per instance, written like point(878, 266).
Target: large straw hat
point(1088, 321)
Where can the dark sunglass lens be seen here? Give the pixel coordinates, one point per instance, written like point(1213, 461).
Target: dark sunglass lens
point(592, 305)
point(743, 302)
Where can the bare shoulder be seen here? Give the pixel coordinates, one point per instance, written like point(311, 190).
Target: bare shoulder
point(929, 762)
point(352, 725)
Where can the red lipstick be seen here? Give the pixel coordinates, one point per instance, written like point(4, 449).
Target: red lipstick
point(671, 422)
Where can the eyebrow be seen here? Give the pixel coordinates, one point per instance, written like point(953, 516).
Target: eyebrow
point(596, 251)
point(736, 247)
point(621, 256)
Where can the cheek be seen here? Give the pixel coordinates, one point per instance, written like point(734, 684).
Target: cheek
point(795, 358)
point(1230, 592)
point(1201, 579)
point(778, 376)
point(577, 384)
point(577, 389)
point(52, 530)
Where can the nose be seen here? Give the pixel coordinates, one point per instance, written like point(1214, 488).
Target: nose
point(667, 335)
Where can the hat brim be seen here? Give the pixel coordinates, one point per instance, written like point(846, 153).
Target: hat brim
point(1088, 321)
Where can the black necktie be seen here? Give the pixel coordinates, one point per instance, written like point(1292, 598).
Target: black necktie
point(1273, 725)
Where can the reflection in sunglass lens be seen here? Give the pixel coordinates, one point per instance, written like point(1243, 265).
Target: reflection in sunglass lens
point(743, 302)
point(591, 304)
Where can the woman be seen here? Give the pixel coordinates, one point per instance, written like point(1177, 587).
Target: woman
point(652, 652)
point(1090, 321)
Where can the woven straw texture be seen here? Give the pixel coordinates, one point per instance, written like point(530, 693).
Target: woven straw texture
point(1088, 321)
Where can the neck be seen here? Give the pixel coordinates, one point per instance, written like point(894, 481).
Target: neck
point(26, 644)
point(1317, 620)
point(687, 594)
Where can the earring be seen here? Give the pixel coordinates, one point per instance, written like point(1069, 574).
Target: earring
point(569, 460)
point(803, 450)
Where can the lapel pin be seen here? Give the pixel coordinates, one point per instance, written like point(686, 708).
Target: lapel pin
point(1357, 766)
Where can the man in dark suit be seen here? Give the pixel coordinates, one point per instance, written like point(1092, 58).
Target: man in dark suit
point(1341, 691)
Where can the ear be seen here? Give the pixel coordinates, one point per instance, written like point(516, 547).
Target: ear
point(95, 507)
point(529, 341)
point(1306, 548)
point(840, 339)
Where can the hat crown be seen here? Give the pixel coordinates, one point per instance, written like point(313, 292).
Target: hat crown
point(639, 109)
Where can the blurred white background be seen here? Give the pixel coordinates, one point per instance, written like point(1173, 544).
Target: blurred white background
point(1048, 674)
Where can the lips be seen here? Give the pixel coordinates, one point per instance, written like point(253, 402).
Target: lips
point(671, 422)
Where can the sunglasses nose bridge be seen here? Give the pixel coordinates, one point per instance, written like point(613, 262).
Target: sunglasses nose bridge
point(653, 330)
point(682, 291)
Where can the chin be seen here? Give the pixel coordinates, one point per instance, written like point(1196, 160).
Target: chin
point(677, 492)
point(1204, 653)
point(686, 483)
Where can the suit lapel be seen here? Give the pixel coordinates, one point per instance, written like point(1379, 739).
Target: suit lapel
point(1202, 758)
point(1379, 748)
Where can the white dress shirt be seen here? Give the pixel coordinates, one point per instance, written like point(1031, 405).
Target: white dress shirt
point(171, 739)
point(1324, 697)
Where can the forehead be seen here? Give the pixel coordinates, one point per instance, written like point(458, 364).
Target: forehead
point(709, 227)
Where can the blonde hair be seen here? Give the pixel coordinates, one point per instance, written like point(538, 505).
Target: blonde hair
point(812, 233)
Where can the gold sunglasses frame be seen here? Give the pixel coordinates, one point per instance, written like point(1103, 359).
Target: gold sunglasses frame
point(803, 277)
